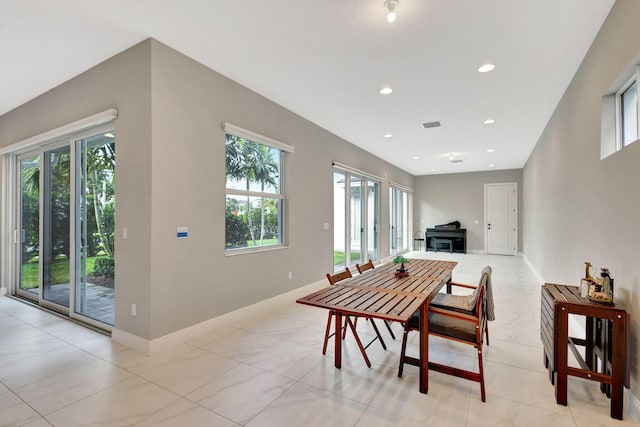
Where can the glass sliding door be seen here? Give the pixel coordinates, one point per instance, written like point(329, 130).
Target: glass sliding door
point(94, 227)
point(399, 213)
point(55, 228)
point(28, 230)
point(355, 218)
point(356, 221)
point(339, 220)
point(373, 203)
point(64, 226)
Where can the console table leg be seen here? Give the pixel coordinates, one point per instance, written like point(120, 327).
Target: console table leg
point(562, 322)
point(617, 366)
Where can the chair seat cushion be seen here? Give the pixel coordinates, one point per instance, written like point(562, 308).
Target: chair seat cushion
point(452, 327)
point(461, 303)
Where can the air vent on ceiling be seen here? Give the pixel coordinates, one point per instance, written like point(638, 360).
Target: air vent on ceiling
point(431, 125)
point(456, 161)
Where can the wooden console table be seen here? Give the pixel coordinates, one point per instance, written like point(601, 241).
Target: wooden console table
point(606, 343)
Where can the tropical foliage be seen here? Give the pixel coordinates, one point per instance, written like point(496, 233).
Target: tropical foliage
point(252, 169)
point(97, 196)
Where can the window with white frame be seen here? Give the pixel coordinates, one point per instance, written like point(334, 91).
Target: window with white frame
point(255, 198)
point(627, 100)
point(620, 114)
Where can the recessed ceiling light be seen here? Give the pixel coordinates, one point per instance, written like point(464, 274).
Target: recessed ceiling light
point(416, 158)
point(387, 135)
point(489, 122)
point(386, 90)
point(490, 150)
point(486, 68)
point(491, 166)
point(432, 170)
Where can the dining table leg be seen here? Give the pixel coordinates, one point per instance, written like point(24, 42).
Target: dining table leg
point(424, 347)
point(337, 337)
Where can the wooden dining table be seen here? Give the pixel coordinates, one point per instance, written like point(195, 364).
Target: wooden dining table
point(377, 293)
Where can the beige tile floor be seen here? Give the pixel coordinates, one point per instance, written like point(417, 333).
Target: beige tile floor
point(269, 371)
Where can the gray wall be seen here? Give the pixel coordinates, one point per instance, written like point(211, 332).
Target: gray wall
point(171, 172)
point(122, 82)
point(576, 206)
point(439, 199)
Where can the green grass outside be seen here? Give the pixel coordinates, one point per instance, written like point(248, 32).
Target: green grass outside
point(59, 272)
point(265, 242)
point(338, 257)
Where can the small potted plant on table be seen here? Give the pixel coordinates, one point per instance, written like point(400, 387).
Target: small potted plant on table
point(402, 270)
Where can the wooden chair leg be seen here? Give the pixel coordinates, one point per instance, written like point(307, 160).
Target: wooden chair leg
point(403, 350)
point(326, 334)
point(486, 333)
point(375, 328)
point(480, 365)
point(355, 334)
point(388, 325)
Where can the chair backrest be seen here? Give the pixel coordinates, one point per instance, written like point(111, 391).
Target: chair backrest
point(335, 278)
point(481, 312)
point(481, 300)
point(418, 235)
point(475, 299)
point(365, 267)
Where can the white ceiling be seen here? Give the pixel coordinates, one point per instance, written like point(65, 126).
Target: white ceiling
point(327, 59)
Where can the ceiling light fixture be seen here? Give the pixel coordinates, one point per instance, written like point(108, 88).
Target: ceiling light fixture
point(387, 135)
point(386, 90)
point(491, 166)
point(490, 150)
point(489, 122)
point(109, 135)
point(391, 5)
point(486, 68)
point(416, 158)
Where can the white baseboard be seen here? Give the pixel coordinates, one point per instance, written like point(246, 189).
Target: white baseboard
point(131, 341)
point(633, 403)
point(3, 291)
point(476, 251)
point(150, 347)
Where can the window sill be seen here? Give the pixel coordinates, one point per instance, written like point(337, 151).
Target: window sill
point(234, 252)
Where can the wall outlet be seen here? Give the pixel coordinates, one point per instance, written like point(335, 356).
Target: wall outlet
point(290, 275)
point(124, 233)
point(133, 309)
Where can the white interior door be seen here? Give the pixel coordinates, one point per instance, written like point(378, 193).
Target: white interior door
point(501, 218)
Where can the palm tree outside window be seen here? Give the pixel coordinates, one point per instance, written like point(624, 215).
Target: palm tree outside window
point(254, 199)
